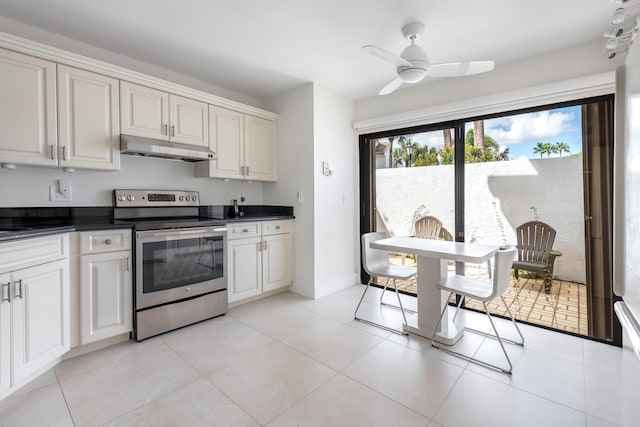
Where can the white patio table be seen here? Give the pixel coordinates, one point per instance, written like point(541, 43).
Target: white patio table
point(432, 269)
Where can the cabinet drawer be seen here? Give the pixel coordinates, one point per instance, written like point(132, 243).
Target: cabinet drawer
point(242, 230)
point(28, 252)
point(94, 242)
point(277, 227)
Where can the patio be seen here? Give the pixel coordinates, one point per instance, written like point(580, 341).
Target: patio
point(564, 308)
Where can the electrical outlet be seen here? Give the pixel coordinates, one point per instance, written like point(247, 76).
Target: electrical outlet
point(57, 196)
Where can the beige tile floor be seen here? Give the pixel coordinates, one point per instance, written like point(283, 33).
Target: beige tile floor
point(290, 361)
point(564, 308)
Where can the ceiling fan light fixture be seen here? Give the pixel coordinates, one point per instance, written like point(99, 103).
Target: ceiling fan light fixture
point(412, 75)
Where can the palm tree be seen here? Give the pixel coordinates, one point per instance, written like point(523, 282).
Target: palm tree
point(561, 146)
point(539, 149)
point(548, 149)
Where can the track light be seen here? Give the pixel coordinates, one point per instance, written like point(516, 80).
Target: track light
point(618, 17)
point(619, 1)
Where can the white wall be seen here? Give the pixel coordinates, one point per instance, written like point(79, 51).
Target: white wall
point(295, 173)
point(29, 186)
point(336, 196)
point(553, 186)
point(315, 125)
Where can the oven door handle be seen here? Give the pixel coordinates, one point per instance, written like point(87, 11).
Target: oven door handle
point(180, 233)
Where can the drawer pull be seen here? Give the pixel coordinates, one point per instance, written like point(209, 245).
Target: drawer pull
point(245, 230)
point(6, 286)
point(108, 242)
point(16, 294)
point(277, 227)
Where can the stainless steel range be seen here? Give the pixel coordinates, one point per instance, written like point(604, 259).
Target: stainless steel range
point(180, 259)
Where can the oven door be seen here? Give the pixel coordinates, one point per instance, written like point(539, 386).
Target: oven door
point(172, 265)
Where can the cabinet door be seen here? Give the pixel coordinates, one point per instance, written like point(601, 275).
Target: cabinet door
point(189, 121)
point(259, 149)
point(105, 296)
point(88, 120)
point(27, 110)
point(5, 332)
point(40, 317)
point(144, 111)
point(226, 138)
point(244, 268)
point(277, 259)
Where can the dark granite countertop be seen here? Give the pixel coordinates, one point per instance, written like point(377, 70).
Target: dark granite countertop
point(19, 223)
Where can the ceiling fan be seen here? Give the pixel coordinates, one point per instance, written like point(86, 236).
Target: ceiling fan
point(412, 65)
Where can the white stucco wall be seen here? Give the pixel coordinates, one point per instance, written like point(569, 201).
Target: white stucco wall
point(496, 190)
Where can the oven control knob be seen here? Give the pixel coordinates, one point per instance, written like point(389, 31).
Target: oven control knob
point(193, 198)
point(130, 198)
point(122, 198)
point(187, 290)
point(181, 198)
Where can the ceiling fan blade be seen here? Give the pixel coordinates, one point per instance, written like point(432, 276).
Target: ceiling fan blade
point(454, 69)
point(390, 87)
point(386, 56)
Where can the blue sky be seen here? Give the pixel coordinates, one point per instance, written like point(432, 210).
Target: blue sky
point(520, 133)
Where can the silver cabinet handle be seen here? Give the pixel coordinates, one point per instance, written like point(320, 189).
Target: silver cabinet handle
point(259, 246)
point(164, 129)
point(64, 152)
point(245, 230)
point(16, 294)
point(242, 170)
point(53, 154)
point(108, 242)
point(128, 265)
point(277, 227)
point(7, 287)
point(173, 130)
point(264, 245)
point(247, 169)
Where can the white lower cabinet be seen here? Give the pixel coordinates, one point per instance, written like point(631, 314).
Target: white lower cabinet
point(34, 307)
point(106, 292)
point(260, 258)
point(5, 333)
point(40, 317)
point(245, 268)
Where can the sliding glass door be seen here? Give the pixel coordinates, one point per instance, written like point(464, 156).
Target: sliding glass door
point(482, 178)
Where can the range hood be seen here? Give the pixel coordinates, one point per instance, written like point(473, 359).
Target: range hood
point(149, 147)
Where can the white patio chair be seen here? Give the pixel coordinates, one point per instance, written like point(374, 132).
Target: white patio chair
point(484, 292)
point(376, 263)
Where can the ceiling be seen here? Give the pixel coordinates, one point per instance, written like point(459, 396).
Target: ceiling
point(260, 48)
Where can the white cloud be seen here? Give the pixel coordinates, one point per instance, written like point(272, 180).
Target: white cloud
point(526, 127)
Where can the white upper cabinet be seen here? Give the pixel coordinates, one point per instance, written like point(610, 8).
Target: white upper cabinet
point(144, 111)
point(156, 114)
point(27, 110)
point(245, 146)
point(259, 149)
point(88, 120)
point(76, 126)
point(188, 121)
point(226, 139)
